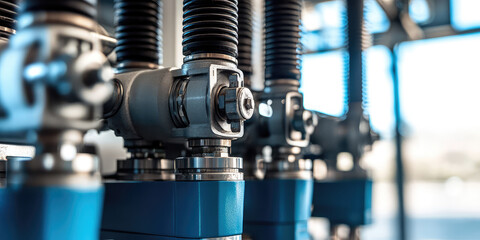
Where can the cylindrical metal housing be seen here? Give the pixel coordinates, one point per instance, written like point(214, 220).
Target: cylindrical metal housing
point(356, 41)
point(209, 160)
point(147, 169)
point(210, 27)
point(209, 168)
point(138, 33)
point(282, 40)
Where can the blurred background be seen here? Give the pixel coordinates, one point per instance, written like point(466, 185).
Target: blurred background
point(439, 93)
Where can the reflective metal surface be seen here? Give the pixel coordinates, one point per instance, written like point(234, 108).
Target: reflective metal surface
point(137, 65)
point(209, 169)
point(145, 169)
point(209, 163)
point(210, 56)
point(209, 142)
point(290, 168)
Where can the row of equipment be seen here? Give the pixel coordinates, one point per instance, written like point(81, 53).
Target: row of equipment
point(196, 134)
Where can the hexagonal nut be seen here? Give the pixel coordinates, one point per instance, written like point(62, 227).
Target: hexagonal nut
point(230, 108)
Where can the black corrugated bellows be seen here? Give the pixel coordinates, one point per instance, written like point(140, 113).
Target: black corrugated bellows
point(86, 8)
point(282, 39)
point(355, 43)
point(8, 14)
point(210, 26)
point(137, 31)
point(245, 35)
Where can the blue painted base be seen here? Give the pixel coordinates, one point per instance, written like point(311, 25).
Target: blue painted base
point(277, 208)
point(298, 230)
point(130, 236)
point(172, 209)
point(53, 213)
point(344, 201)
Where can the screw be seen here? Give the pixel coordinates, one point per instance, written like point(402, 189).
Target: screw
point(248, 104)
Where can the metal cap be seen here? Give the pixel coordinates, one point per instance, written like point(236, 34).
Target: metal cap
point(146, 169)
point(209, 163)
point(290, 169)
point(209, 169)
point(51, 169)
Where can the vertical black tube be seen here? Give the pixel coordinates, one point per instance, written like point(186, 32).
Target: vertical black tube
point(210, 27)
point(282, 40)
point(399, 173)
point(402, 6)
point(138, 33)
point(355, 45)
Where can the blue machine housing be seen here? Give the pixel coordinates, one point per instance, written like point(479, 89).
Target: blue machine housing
point(277, 208)
point(53, 213)
point(346, 201)
point(172, 210)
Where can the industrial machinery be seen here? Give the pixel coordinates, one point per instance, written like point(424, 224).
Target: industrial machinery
point(54, 80)
point(278, 200)
point(344, 196)
point(184, 178)
point(203, 104)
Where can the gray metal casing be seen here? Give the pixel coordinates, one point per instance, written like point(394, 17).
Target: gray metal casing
point(205, 82)
point(145, 111)
point(280, 130)
point(33, 105)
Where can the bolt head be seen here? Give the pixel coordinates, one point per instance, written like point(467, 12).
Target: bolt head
point(246, 103)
